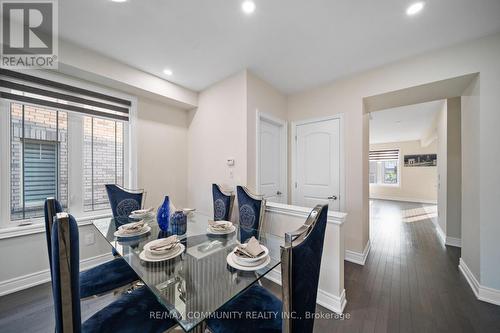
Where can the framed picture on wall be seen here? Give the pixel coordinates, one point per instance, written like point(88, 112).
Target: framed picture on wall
point(427, 160)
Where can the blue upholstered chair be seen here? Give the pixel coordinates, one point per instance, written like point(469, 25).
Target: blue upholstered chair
point(130, 313)
point(251, 208)
point(300, 267)
point(98, 280)
point(123, 201)
point(223, 203)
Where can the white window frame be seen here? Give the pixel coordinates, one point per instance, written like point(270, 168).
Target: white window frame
point(380, 173)
point(75, 194)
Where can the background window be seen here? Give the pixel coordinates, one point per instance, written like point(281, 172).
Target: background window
point(384, 167)
point(38, 163)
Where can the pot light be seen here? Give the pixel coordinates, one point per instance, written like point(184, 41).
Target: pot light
point(119, 0)
point(248, 6)
point(168, 72)
point(415, 8)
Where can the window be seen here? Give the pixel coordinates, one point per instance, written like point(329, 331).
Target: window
point(384, 167)
point(58, 145)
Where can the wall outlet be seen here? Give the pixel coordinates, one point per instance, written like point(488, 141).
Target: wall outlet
point(89, 238)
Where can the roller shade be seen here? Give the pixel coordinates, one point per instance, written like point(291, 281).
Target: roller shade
point(40, 171)
point(384, 155)
point(38, 91)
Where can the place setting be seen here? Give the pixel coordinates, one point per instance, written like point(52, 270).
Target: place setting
point(141, 214)
point(220, 227)
point(250, 256)
point(162, 249)
point(133, 229)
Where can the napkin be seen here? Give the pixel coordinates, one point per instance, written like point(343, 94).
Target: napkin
point(164, 245)
point(132, 228)
point(251, 250)
point(219, 225)
point(142, 211)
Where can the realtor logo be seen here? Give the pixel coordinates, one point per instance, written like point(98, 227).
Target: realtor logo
point(29, 34)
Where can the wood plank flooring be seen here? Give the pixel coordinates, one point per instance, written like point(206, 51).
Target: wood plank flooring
point(410, 283)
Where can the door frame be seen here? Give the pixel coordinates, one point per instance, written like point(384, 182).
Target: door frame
point(261, 116)
point(293, 139)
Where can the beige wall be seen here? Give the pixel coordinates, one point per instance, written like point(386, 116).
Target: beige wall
point(161, 152)
point(417, 184)
point(346, 96)
point(262, 97)
point(217, 131)
point(441, 127)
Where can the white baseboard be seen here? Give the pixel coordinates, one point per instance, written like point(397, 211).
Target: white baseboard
point(482, 293)
point(440, 232)
point(37, 278)
point(327, 300)
point(404, 199)
point(356, 257)
point(452, 241)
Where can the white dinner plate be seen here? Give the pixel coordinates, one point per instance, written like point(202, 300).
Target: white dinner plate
point(231, 262)
point(168, 256)
point(144, 230)
point(222, 232)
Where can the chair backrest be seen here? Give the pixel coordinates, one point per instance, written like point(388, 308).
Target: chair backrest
point(300, 267)
point(50, 208)
point(66, 274)
point(123, 201)
point(223, 203)
point(251, 208)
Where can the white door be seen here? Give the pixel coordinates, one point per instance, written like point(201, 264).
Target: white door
point(272, 160)
point(317, 162)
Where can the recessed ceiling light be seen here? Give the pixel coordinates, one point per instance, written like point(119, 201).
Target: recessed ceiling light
point(119, 0)
point(168, 72)
point(248, 6)
point(415, 8)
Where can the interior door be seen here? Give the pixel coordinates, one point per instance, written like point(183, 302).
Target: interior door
point(271, 183)
point(318, 164)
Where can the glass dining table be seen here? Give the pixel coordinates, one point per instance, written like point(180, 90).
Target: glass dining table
point(199, 281)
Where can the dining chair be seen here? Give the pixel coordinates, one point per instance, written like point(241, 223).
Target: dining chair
point(300, 268)
point(129, 313)
point(223, 203)
point(124, 201)
point(251, 208)
point(100, 279)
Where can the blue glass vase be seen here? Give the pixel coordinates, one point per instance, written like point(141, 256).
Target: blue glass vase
point(178, 224)
point(163, 215)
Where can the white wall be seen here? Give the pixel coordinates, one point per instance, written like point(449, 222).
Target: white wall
point(217, 131)
point(262, 97)
point(416, 184)
point(162, 152)
point(347, 96)
point(442, 124)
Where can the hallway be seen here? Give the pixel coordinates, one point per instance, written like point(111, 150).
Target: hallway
point(411, 281)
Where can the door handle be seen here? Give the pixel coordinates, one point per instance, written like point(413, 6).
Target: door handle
point(333, 197)
point(279, 193)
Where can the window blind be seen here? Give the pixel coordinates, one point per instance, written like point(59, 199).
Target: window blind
point(38, 91)
point(384, 155)
point(40, 171)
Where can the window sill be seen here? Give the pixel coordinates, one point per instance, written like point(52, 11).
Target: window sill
point(386, 185)
point(36, 228)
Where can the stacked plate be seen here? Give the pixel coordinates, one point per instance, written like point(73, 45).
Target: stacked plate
point(220, 227)
point(132, 229)
point(247, 263)
point(155, 251)
point(142, 214)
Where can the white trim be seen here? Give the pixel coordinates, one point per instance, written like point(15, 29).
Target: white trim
point(327, 300)
point(481, 292)
point(284, 151)
point(38, 228)
point(342, 182)
point(37, 278)
point(403, 199)
point(452, 241)
point(298, 211)
point(440, 232)
point(356, 257)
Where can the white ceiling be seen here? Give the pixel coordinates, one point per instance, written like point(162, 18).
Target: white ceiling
point(290, 43)
point(405, 123)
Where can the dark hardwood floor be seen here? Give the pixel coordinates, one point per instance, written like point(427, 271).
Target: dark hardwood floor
point(410, 283)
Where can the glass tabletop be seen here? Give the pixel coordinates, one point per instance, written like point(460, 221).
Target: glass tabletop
point(197, 282)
